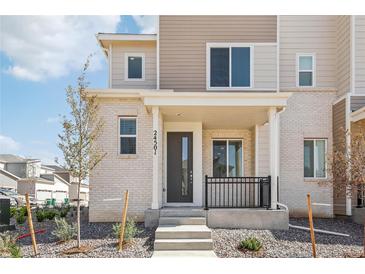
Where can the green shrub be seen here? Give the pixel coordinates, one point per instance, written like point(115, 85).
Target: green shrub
point(13, 211)
point(64, 231)
point(40, 215)
point(130, 230)
point(63, 211)
point(20, 217)
point(50, 214)
point(251, 244)
point(8, 246)
point(23, 210)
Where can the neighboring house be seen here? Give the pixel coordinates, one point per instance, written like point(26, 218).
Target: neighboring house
point(30, 176)
point(249, 101)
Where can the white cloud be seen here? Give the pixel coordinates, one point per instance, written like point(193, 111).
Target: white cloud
point(8, 145)
point(42, 47)
point(146, 23)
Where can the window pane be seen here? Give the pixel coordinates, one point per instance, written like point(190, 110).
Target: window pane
point(321, 159)
point(127, 126)
point(235, 159)
point(305, 79)
point(219, 158)
point(219, 67)
point(308, 159)
point(127, 145)
point(241, 67)
point(184, 167)
point(134, 67)
point(305, 63)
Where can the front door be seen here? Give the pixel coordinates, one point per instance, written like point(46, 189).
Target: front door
point(179, 167)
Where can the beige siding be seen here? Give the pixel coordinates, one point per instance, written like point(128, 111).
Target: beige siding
point(308, 34)
point(343, 54)
point(357, 102)
point(265, 60)
point(183, 47)
point(118, 64)
point(360, 54)
point(339, 125)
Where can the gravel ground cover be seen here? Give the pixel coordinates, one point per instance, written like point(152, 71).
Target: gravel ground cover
point(96, 235)
point(293, 243)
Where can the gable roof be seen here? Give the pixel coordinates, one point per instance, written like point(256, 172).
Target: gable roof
point(11, 158)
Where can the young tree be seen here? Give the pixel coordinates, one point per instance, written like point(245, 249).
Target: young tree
point(79, 135)
point(348, 165)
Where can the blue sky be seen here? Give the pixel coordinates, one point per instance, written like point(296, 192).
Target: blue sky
point(35, 70)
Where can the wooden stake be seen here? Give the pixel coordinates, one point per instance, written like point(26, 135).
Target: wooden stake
point(124, 219)
point(30, 224)
point(311, 227)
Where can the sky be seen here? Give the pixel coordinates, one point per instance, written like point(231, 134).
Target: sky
point(39, 57)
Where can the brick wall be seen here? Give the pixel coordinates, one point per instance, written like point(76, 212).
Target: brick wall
point(308, 115)
point(117, 173)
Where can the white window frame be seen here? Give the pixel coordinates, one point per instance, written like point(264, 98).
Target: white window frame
point(131, 54)
point(313, 70)
point(227, 160)
point(230, 46)
point(126, 135)
point(315, 157)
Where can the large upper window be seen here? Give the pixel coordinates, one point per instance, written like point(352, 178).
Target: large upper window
point(127, 135)
point(134, 66)
point(227, 158)
point(305, 70)
point(315, 158)
point(229, 66)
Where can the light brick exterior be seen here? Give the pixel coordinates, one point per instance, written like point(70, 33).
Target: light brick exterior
point(308, 115)
point(117, 173)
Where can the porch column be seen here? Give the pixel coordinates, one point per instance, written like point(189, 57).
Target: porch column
point(155, 156)
point(274, 153)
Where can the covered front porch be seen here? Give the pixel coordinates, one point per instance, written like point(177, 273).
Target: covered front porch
point(215, 151)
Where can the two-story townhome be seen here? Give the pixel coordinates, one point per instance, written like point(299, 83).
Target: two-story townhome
point(235, 114)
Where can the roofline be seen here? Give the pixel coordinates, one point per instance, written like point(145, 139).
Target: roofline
point(9, 174)
point(126, 37)
point(358, 114)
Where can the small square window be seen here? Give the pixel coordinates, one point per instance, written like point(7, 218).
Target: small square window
point(134, 66)
point(128, 135)
point(305, 70)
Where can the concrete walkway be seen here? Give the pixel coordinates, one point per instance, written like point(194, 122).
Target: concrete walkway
point(184, 254)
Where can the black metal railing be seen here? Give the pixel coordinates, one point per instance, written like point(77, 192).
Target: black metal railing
point(237, 192)
point(361, 196)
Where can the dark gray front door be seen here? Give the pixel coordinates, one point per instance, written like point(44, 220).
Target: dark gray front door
point(179, 167)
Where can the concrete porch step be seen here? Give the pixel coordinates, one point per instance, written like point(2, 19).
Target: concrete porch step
point(183, 232)
point(182, 212)
point(182, 221)
point(183, 244)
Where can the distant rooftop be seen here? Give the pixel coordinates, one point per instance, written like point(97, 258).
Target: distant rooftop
point(55, 167)
point(11, 158)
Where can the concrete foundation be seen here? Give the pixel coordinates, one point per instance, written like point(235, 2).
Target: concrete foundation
point(248, 218)
point(358, 215)
point(151, 217)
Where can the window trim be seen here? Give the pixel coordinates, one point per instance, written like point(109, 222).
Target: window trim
point(315, 156)
point(313, 70)
point(131, 54)
point(126, 135)
point(230, 46)
point(227, 160)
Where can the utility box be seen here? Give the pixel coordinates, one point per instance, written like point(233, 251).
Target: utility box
point(5, 215)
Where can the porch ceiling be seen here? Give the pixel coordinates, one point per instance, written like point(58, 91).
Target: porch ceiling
point(217, 117)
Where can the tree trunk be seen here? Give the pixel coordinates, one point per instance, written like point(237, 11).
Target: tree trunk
point(78, 215)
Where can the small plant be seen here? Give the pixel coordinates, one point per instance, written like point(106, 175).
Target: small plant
point(50, 214)
point(63, 211)
point(20, 217)
point(251, 244)
point(130, 230)
point(64, 231)
point(13, 211)
point(23, 210)
point(8, 246)
point(40, 215)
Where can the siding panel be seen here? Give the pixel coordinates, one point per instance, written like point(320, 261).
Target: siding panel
point(360, 54)
point(183, 47)
point(357, 102)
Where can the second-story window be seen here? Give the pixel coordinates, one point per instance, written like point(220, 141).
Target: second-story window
point(229, 66)
point(134, 66)
point(305, 70)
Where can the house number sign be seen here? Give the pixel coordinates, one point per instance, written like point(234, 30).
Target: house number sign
point(154, 142)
